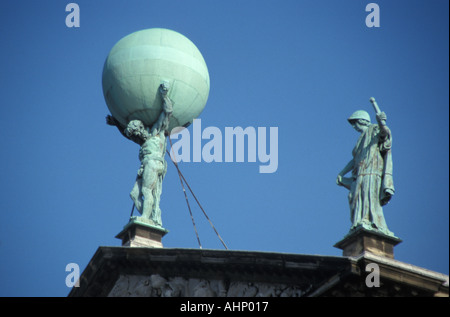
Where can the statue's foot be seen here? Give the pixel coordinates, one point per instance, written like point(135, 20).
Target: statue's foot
point(156, 222)
point(371, 227)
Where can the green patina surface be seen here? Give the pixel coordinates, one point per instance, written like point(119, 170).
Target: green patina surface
point(153, 80)
point(370, 184)
point(140, 62)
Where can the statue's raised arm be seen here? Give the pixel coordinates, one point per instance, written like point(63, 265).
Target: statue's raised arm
point(162, 124)
point(110, 120)
point(381, 118)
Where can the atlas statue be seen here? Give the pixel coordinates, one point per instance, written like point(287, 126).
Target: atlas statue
point(155, 82)
point(147, 189)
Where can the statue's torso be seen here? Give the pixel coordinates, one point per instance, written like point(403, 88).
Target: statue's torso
point(153, 148)
point(366, 154)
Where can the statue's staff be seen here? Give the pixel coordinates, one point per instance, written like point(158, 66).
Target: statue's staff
point(375, 105)
point(377, 110)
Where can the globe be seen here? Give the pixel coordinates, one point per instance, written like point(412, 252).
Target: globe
point(139, 63)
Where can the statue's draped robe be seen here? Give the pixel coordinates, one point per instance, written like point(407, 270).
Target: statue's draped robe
point(372, 177)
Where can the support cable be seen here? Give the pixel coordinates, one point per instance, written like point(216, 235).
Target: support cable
point(182, 178)
point(185, 195)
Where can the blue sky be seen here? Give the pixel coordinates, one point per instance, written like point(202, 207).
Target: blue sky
point(301, 66)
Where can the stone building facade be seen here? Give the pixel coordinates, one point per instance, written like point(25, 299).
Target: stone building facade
point(166, 272)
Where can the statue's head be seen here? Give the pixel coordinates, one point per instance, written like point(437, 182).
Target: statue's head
point(135, 128)
point(359, 120)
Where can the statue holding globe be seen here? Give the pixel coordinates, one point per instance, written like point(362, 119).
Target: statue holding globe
point(154, 81)
point(148, 187)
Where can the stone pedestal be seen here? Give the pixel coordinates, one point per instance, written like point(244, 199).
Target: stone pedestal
point(362, 240)
point(140, 233)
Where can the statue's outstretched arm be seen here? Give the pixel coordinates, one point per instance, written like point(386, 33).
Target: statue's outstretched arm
point(162, 124)
point(167, 103)
point(347, 168)
point(139, 139)
point(345, 181)
point(110, 120)
point(381, 119)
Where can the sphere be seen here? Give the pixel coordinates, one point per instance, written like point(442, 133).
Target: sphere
point(140, 62)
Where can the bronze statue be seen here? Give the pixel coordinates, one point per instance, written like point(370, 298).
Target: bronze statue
point(147, 189)
point(371, 183)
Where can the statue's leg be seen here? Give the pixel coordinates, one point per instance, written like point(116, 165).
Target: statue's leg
point(356, 202)
point(148, 203)
point(377, 215)
point(149, 179)
point(156, 217)
point(368, 205)
point(380, 222)
point(136, 194)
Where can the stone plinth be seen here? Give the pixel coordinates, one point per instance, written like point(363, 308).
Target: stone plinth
point(139, 233)
point(362, 240)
